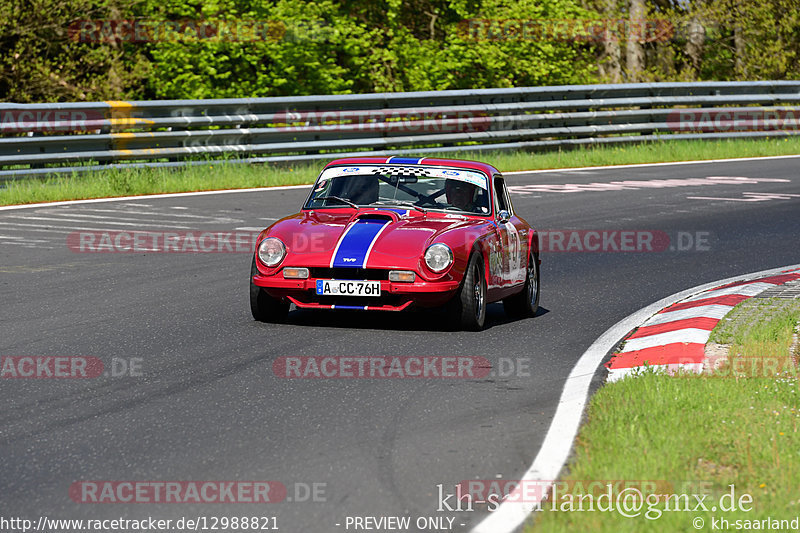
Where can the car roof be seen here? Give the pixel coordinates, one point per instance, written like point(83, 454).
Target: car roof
point(424, 161)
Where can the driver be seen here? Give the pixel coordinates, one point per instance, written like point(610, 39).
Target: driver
point(460, 194)
point(362, 190)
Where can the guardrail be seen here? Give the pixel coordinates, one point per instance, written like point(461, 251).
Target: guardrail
point(75, 137)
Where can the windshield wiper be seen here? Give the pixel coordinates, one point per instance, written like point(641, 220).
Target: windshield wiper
point(461, 211)
point(344, 201)
point(404, 203)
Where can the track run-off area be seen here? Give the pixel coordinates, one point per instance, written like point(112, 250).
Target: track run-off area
point(185, 390)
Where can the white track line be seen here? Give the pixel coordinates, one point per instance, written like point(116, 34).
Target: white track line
point(105, 220)
point(151, 196)
point(287, 187)
point(79, 213)
point(16, 226)
point(155, 213)
point(558, 442)
point(639, 165)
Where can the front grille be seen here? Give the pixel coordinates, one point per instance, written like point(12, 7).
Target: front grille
point(386, 299)
point(370, 274)
point(393, 300)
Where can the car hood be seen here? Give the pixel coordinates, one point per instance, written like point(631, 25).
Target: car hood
point(370, 237)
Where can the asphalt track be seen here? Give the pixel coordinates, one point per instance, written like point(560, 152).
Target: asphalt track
point(208, 406)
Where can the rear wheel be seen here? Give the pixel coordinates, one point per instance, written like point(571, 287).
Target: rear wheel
point(467, 309)
point(264, 307)
point(526, 302)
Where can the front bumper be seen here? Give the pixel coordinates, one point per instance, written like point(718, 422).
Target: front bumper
point(395, 296)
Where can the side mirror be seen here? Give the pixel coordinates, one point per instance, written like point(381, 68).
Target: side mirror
point(503, 216)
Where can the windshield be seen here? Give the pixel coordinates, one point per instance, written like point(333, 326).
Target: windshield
point(423, 188)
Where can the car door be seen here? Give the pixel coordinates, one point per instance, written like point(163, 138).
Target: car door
point(512, 236)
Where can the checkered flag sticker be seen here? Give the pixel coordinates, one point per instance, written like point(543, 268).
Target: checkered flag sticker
point(402, 171)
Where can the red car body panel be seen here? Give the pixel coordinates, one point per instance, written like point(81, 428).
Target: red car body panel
point(312, 235)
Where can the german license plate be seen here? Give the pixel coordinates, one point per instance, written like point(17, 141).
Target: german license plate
point(334, 287)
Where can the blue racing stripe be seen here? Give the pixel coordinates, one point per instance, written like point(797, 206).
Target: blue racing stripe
point(405, 160)
point(353, 248)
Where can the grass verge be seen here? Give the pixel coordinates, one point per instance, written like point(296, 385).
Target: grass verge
point(694, 434)
point(219, 175)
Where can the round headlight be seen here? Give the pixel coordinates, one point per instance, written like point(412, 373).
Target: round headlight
point(271, 251)
point(438, 257)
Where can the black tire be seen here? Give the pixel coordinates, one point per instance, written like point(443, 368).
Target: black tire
point(264, 307)
point(467, 309)
point(524, 304)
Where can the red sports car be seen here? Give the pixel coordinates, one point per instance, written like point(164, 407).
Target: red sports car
point(387, 234)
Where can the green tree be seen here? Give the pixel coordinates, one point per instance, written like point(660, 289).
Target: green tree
point(41, 61)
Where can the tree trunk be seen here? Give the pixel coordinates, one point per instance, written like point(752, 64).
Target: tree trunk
point(634, 50)
point(740, 52)
point(695, 43)
point(610, 65)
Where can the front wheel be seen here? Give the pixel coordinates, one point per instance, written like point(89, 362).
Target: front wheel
point(264, 307)
point(467, 309)
point(526, 302)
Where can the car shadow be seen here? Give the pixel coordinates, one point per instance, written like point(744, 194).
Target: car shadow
point(414, 320)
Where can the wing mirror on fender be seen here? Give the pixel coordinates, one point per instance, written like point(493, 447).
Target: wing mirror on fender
point(503, 216)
